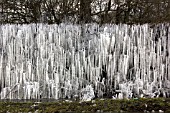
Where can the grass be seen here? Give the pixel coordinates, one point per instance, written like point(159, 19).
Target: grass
point(106, 105)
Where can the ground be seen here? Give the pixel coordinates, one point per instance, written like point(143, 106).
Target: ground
point(98, 105)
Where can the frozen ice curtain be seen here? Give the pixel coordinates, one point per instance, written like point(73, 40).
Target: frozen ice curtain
point(62, 61)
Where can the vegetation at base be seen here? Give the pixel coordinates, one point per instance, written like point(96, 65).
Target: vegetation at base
point(98, 105)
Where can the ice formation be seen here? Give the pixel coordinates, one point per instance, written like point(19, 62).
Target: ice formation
point(63, 61)
point(87, 93)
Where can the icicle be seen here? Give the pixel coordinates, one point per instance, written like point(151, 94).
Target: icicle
point(52, 60)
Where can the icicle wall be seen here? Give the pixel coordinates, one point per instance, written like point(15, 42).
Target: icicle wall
point(59, 61)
